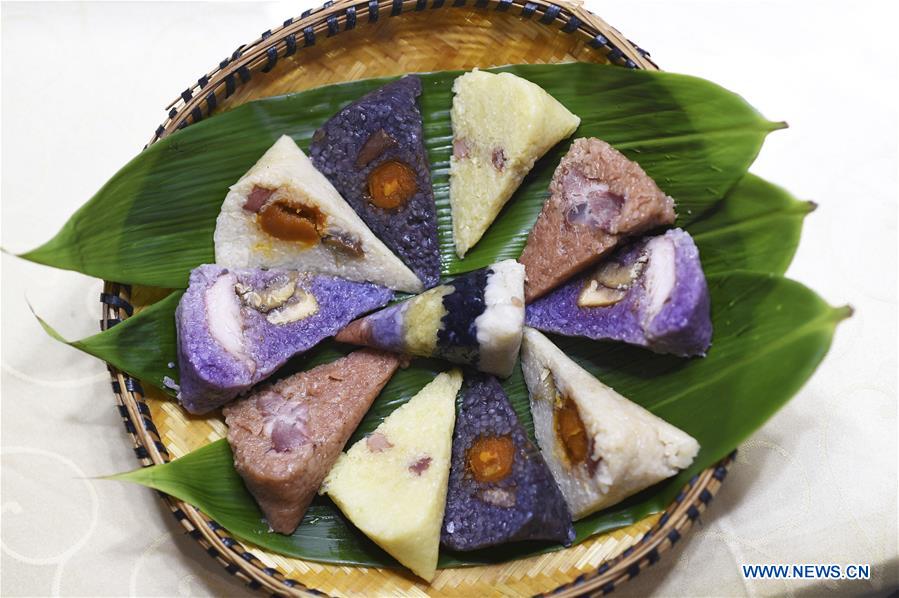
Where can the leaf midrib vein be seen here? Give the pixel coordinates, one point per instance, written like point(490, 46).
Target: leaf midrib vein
point(790, 211)
point(723, 132)
point(781, 342)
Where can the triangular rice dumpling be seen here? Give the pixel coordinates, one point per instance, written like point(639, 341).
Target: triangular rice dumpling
point(475, 319)
point(285, 436)
point(373, 152)
point(600, 447)
point(500, 489)
point(283, 213)
point(651, 293)
point(502, 124)
point(392, 484)
point(597, 198)
point(236, 327)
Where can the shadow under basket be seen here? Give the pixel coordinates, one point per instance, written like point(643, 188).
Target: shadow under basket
point(345, 41)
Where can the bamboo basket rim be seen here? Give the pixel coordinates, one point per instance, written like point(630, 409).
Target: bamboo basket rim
point(199, 101)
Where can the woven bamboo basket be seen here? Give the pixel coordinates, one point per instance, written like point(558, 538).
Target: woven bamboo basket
point(344, 41)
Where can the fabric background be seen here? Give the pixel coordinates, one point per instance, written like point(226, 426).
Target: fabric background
point(84, 86)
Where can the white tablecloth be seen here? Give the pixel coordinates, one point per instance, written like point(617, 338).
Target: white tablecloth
point(83, 88)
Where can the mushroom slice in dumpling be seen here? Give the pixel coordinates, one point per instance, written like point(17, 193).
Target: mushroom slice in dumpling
point(600, 447)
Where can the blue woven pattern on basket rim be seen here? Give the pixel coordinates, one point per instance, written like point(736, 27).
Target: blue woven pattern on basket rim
point(653, 555)
point(112, 298)
point(204, 97)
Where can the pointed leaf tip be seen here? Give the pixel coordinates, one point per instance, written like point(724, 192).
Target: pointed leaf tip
point(142, 345)
point(843, 312)
point(125, 476)
point(47, 328)
point(34, 256)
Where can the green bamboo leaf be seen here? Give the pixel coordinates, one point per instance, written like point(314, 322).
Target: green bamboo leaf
point(206, 478)
point(153, 221)
point(756, 227)
point(143, 345)
point(770, 334)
